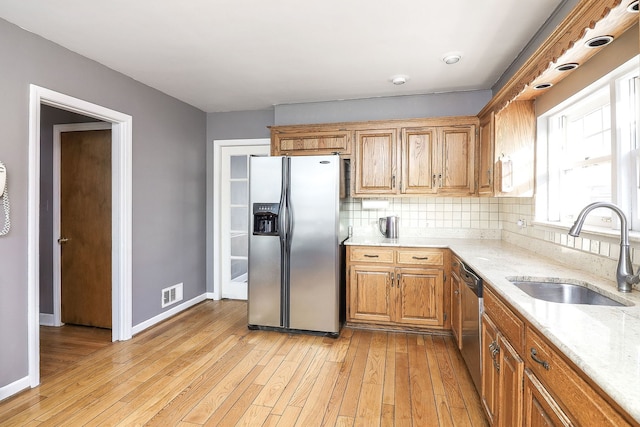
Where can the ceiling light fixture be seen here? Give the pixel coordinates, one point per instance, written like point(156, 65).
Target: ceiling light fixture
point(599, 41)
point(451, 58)
point(633, 7)
point(398, 80)
point(568, 66)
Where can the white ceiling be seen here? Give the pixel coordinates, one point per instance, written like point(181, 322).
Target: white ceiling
point(231, 55)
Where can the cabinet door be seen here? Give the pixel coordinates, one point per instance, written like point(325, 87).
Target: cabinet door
point(515, 135)
point(490, 369)
point(370, 293)
point(313, 142)
point(455, 167)
point(456, 308)
point(540, 409)
point(376, 162)
point(420, 296)
point(510, 386)
point(418, 145)
point(485, 155)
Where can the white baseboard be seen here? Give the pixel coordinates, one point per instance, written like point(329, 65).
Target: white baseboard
point(211, 295)
point(167, 314)
point(13, 388)
point(46, 319)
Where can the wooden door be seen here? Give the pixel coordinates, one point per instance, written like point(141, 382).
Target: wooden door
point(540, 409)
point(420, 296)
point(490, 372)
point(510, 386)
point(455, 170)
point(376, 160)
point(418, 145)
point(370, 293)
point(485, 156)
point(85, 227)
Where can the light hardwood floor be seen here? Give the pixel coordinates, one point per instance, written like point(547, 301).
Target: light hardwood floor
point(204, 367)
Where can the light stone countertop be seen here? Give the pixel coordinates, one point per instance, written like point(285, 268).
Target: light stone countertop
point(603, 341)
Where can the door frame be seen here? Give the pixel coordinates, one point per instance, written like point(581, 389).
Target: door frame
point(57, 248)
point(121, 176)
point(214, 274)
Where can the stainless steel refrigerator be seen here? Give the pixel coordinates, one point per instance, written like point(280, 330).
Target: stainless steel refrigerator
point(294, 256)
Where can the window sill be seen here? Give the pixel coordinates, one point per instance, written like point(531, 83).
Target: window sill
point(588, 231)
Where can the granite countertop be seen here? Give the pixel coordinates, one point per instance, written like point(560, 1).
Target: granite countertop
point(603, 341)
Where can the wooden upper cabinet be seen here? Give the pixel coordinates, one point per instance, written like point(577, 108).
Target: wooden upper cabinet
point(310, 140)
point(455, 160)
point(485, 155)
point(515, 138)
point(376, 161)
point(417, 151)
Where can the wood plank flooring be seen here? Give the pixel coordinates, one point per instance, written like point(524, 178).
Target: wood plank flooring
point(204, 367)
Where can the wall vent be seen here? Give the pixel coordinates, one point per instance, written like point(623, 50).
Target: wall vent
point(171, 295)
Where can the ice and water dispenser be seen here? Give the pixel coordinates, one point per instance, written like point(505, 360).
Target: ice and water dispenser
point(265, 219)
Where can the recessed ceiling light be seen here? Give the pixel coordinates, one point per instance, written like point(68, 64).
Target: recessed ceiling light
point(543, 86)
point(398, 80)
point(568, 66)
point(633, 7)
point(599, 41)
point(451, 58)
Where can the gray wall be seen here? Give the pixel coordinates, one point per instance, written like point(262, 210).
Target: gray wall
point(168, 180)
point(49, 117)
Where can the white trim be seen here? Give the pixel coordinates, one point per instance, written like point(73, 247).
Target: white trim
point(14, 387)
point(47, 319)
point(169, 313)
point(57, 130)
point(216, 202)
point(121, 139)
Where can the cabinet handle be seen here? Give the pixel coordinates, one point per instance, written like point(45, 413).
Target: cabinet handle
point(534, 357)
point(370, 256)
point(393, 181)
point(398, 277)
point(421, 257)
point(433, 180)
point(456, 292)
point(440, 178)
point(392, 278)
point(495, 350)
point(489, 176)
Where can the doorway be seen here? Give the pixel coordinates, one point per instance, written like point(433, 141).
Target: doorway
point(234, 218)
point(231, 214)
point(121, 270)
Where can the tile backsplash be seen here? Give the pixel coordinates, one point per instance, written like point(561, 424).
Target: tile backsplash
point(510, 219)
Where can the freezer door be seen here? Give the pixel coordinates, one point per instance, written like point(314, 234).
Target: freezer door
point(265, 264)
point(314, 264)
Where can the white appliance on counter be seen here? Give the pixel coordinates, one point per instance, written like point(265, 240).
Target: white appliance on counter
point(294, 253)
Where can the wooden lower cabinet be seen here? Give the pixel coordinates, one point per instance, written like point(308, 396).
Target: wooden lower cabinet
point(527, 381)
point(540, 410)
point(401, 287)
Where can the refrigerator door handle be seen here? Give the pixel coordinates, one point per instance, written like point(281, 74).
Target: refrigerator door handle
point(285, 241)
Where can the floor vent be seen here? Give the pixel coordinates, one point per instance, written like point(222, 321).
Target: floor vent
point(171, 295)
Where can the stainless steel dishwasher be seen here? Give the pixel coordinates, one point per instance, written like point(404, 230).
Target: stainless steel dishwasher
point(471, 306)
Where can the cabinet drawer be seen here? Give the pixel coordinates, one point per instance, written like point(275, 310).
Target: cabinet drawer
point(420, 257)
point(371, 254)
point(582, 404)
point(510, 325)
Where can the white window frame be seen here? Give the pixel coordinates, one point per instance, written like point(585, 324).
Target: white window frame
point(625, 171)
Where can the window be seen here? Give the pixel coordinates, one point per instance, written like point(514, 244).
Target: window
point(592, 153)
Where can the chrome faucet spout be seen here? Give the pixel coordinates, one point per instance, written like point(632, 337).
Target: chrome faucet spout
point(624, 273)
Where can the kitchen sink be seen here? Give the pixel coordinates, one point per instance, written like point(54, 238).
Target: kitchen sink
point(563, 292)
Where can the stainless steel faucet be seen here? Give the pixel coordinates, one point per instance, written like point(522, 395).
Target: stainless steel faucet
point(624, 273)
